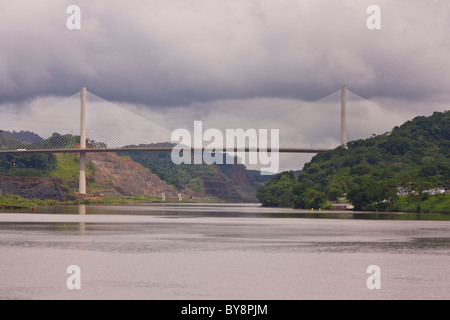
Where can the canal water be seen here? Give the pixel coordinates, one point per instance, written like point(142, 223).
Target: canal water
point(219, 251)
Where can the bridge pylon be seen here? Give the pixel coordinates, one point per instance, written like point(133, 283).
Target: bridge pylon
point(82, 176)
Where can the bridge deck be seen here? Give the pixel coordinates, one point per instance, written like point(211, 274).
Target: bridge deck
point(281, 150)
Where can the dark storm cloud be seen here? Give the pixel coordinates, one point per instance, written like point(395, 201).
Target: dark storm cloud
point(178, 52)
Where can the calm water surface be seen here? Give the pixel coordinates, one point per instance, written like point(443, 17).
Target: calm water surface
point(221, 252)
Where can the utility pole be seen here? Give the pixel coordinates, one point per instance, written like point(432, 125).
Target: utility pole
point(82, 181)
point(343, 118)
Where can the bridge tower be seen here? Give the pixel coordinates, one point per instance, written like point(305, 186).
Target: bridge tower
point(82, 181)
point(343, 118)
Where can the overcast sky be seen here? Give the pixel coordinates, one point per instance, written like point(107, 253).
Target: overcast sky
point(194, 55)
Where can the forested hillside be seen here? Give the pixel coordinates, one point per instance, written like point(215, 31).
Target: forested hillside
point(369, 173)
point(31, 165)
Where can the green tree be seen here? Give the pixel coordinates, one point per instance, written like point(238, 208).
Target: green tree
point(311, 198)
point(366, 194)
point(278, 192)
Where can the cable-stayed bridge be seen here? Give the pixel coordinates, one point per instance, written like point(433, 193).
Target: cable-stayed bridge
point(85, 122)
point(304, 127)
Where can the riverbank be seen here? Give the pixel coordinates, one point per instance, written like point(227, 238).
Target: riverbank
point(439, 204)
point(18, 202)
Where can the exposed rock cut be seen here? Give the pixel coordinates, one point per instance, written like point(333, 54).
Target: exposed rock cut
point(33, 187)
point(123, 176)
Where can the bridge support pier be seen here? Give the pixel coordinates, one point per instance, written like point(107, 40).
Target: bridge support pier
point(82, 176)
point(82, 184)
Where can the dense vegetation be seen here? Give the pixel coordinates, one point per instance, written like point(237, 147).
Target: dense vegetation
point(414, 156)
point(34, 164)
point(31, 165)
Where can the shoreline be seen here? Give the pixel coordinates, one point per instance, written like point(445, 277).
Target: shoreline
point(281, 211)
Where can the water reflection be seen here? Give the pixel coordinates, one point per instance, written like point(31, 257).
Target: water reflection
point(229, 210)
point(206, 234)
point(251, 210)
point(220, 251)
point(426, 246)
point(82, 225)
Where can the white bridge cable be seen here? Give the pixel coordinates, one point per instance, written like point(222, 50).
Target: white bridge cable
point(252, 110)
point(118, 127)
point(301, 124)
point(43, 118)
point(271, 116)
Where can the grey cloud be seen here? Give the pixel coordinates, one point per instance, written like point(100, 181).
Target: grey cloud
point(168, 53)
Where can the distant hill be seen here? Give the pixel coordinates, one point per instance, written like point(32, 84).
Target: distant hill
point(369, 173)
point(25, 136)
point(8, 142)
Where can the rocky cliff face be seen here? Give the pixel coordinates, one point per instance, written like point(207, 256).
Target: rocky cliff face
point(33, 187)
point(233, 185)
point(218, 186)
point(228, 182)
point(239, 176)
point(122, 176)
point(118, 176)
